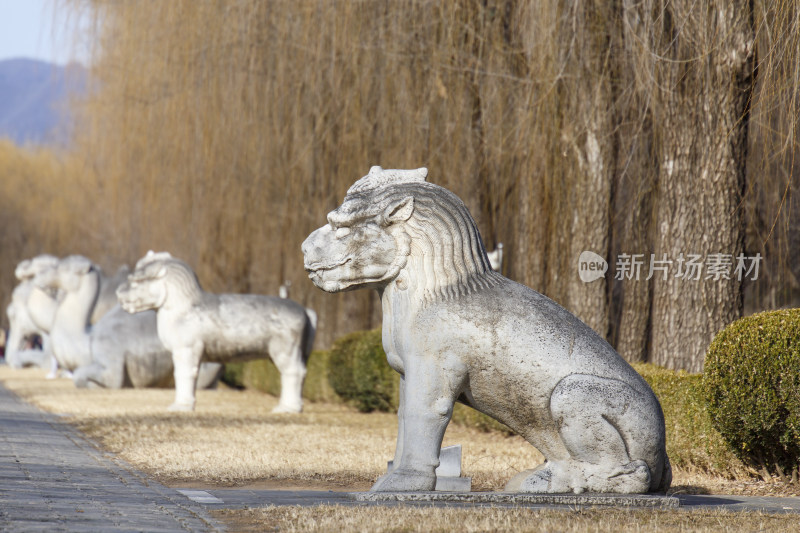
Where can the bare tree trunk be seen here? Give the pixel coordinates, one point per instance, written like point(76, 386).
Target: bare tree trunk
point(702, 84)
point(633, 207)
point(589, 224)
point(632, 226)
point(588, 136)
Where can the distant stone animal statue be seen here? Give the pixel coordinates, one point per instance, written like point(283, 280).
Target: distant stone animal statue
point(107, 296)
point(196, 325)
point(496, 258)
point(458, 331)
point(40, 305)
point(31, 312)
point(79, 280)
point(126, 352)
point(120, 350)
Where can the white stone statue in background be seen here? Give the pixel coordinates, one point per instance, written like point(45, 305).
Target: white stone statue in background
point(458, 331)
point(283, 290)
point(31, 312)
point(496, 258)
point(196, 325)
point(126, 352)
point(120, 350)
point(79, 282)
point(107, 296)
point(35, 307)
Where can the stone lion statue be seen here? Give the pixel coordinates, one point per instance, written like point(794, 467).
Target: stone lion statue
point(120, 350)
point(196, 325)
point(458, 331)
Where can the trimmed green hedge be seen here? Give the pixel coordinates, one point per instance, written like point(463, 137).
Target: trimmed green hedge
point(752, 384)
point(692, 440)
point(263, 376)
point(359, 372)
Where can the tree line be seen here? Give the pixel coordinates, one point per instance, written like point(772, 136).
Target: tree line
point(654, 133)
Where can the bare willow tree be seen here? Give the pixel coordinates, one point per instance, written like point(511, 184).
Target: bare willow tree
point(588, 136)
point(696, 60)
point(772, 190)
point(225, 131)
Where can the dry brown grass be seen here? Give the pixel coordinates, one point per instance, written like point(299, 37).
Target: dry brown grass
point(427, 519)
point(233, 439)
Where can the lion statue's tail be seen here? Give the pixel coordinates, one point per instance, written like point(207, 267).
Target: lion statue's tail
point(666, 476)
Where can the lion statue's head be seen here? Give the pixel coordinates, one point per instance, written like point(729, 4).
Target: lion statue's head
point(157, 278)
point(393, 222)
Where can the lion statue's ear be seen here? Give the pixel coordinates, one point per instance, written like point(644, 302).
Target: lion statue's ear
point(399, 211)
point(162, 272)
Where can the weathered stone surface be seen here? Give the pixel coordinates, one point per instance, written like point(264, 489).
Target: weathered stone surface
point(453, 484)
point(195, 325)
point(449, 462)
point(458, 331)
point(107, 296)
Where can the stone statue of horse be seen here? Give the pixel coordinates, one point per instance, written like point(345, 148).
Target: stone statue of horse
point(196, 326)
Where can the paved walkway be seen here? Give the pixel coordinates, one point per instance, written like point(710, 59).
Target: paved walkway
point(53, 479)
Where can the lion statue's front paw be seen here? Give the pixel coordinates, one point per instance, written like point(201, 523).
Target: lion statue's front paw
point(405, 481)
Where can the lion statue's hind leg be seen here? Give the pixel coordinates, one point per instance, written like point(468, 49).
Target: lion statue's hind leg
point(605, 427)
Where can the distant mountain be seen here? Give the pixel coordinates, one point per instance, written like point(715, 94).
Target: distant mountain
point(33, 100)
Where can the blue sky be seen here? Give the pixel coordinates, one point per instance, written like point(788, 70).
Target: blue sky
point(27, 29)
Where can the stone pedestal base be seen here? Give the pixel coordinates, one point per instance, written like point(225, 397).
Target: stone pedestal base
point(653, 501)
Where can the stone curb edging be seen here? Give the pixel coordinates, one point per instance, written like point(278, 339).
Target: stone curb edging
point(652, 501)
